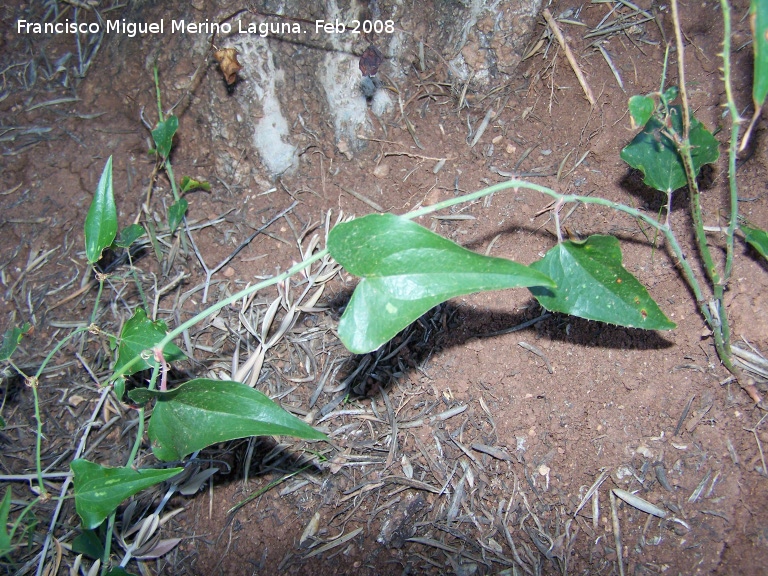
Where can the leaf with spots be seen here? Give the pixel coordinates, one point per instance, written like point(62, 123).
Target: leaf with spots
point(99, 490)
point(592, 284)
point(405, 270)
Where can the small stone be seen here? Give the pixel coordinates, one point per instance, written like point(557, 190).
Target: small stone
point(229, 272)
point(381, 171)
point(498, 139)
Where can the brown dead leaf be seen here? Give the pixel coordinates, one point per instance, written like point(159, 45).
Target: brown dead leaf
point(228, 64)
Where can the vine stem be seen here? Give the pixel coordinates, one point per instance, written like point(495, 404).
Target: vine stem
point(511, 184)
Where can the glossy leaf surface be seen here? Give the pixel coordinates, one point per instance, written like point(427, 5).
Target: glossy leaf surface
point(405, 270)
point(203, 412)
point(138, 337)
point(592, 284)
point(101, 221)
point(99, 490)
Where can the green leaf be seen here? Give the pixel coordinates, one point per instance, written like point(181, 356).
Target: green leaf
point(656, 155)
point(5, 536)
point(176, 213)
point(405, 271)
point(100, 490)
point(670, 94)
point(119, 388)
point(592, 284)
point(11, 340)
point(88, 543)
point(756, 238)
point(118, 571)
point(129, 235)
point(758, 19)
point(163, 135)
point(138, 338)
point(101, 221)
point(641, 109)
point(188, 184)
point(203, 412)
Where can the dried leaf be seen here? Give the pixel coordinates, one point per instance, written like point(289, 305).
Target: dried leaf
point(370, 61)
point(228, 64)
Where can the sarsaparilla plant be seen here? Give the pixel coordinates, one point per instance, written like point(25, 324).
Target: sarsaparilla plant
point(404, 270)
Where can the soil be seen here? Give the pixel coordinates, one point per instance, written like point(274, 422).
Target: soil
point(537, 415)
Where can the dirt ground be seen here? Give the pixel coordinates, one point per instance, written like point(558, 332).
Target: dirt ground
point(465, 447)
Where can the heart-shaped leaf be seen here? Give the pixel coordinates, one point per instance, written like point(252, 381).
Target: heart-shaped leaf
point(656, 155)
point(202, 412)
point(756, 238)
point(138, 337)
point(163, 135)
point(100, 490)
point(592, 284)
point(405, 271)
point(101, 221)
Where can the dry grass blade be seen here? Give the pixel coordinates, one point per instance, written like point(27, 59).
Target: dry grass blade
point(617, 533)
point(752, 362)
point(592, 490)
point(639, 503)
point(334, 543)
point(569, 55)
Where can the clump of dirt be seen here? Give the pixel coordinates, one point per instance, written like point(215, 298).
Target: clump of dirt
point(490, 437)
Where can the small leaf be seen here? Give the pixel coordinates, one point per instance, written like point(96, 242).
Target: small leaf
point(89, 543)
point(5, 536)
point(188, 184)
point(101, 221)
point(641, 109)
point(203, 412)
point(176, 213)
point(756, 238)
point(129, 235)
point(670, 94)
point(11, 340)
point(406, 270)
point(656, 155)
point(118, 571)
point(100, 490)
point(163, 135)
point(592, 284)
point(119, 388)
point(138, 337)
point(758, 20)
